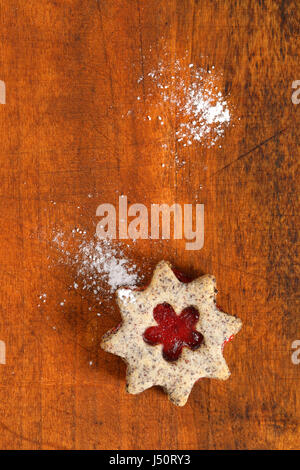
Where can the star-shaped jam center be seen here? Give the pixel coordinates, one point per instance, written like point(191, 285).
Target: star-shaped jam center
point(174, 331)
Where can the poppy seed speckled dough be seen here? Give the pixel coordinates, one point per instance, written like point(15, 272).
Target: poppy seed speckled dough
point(146, 364)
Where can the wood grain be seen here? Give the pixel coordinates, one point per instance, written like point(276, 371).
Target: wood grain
point(71, 70)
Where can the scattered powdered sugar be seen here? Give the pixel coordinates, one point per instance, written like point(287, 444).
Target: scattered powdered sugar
point(101, 266)
point(201, 111)
point(204, 112)
point(187, 95)
point(58, 238)
point(101, 258)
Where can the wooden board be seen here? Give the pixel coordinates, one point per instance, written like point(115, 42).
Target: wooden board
point(75, 134)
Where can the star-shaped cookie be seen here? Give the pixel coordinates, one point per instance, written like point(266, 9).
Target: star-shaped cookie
point(172, 334)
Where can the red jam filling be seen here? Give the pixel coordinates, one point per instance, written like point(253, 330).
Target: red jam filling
point(174, 331)
point(181, 276)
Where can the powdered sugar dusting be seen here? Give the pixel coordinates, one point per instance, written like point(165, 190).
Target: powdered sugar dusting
point(201, 111)
point(204, 111)
point(100, 258)
point(101, 266)
point(188, 98)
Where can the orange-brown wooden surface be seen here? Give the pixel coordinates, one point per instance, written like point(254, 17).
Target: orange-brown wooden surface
point(68, 144)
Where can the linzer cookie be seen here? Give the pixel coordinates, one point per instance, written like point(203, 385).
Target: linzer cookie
point(172, 333)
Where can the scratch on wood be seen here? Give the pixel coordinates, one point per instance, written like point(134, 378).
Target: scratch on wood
point(243, 155)
point(32, 441)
